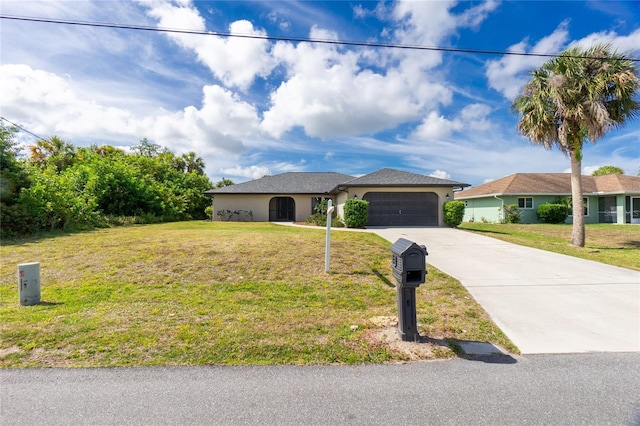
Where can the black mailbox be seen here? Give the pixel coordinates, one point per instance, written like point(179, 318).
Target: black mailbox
point(408, 263)
point(410, 269)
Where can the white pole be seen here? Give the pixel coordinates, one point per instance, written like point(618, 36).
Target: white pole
point(327, 249)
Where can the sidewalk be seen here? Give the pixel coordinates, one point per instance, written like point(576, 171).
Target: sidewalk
point(545, 302)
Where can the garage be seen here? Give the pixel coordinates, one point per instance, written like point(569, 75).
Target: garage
point(402, 208)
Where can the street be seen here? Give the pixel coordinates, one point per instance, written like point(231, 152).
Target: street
point(596, 388)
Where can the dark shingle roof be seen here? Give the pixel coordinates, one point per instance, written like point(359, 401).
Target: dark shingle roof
point(287, 183)
point(552, 183)
point(397, 178)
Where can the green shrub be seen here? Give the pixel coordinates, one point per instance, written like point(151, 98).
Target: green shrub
point(356, 213)
point(511, 214)
point(552, 213)
point(453, 213)
point(209, 212)
point(320, 219)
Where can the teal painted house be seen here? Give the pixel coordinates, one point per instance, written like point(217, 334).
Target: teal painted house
point(608, 198)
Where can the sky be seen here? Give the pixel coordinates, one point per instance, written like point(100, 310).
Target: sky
point(256, 106)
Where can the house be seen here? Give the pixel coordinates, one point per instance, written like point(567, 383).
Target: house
point(396, 198)
point(608, 198)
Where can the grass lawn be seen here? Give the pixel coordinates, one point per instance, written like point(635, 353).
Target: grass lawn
point(613, 244)
point(194, 293)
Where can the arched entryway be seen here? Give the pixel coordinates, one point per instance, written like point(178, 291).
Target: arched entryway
point(282, 209)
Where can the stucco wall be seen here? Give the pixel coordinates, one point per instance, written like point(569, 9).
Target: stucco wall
point(490, 208)
point(258, 205)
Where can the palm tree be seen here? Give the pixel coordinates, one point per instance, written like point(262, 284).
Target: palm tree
point(578, 96)
point(60, 152)
point(193, 163)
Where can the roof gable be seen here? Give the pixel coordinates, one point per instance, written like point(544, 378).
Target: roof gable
point(287, 183)
point(391, 177)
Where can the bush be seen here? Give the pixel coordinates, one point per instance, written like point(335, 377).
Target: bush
point(356, 213)
point(453, 213)
point(511, 214)
point(320, 219)
point(552, 213)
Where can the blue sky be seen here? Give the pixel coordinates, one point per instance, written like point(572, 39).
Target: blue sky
point(253, 107)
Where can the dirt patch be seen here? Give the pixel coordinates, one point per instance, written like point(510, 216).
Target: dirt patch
point(10, 350)
point(386, 334)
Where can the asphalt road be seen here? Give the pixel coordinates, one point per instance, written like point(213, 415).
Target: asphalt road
point(594, 389)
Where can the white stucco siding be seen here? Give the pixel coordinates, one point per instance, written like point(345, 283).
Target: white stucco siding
point(258, 205)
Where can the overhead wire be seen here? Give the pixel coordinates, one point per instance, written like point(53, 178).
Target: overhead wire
point(293, 39)
point(23, 129)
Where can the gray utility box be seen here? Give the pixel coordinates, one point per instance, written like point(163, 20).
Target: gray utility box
point(408, 263)
point(410, 270)
point(29, 283)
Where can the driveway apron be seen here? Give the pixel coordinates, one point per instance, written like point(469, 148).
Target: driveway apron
point(545, 302)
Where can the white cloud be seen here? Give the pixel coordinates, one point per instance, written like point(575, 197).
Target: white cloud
point(235, 61)
point(509, 74)
point(48, 104)
point(251, 172)
point(472, 117)
point(328, 94)
point(435, 126)
point(628, 43)
point(440, 174)
point(429, 24)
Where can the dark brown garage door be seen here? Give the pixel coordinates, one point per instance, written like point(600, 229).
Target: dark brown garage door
point(402, 208)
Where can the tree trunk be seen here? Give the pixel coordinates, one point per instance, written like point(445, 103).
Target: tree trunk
point(577, 233)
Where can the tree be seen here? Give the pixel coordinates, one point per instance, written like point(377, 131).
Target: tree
point(193, 163)
point(577, 96)
point(147, 148)
point(224, 182)
point(14, 218)
point(608, 170)
point(53, 151)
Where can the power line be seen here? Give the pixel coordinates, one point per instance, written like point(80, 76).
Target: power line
point(292, 39)
point(23, 129)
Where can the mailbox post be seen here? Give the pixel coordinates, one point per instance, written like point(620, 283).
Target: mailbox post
point(410, 270)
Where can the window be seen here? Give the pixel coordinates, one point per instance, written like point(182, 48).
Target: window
point(525, 203)
point(319, 205)
point(585, 202)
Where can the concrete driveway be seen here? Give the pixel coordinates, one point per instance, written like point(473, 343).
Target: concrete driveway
point(545, 302)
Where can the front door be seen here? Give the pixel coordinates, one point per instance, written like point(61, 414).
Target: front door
point(607, 210)
point(282, 209)
point(635, 209)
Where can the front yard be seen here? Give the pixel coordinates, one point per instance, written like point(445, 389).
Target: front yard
point(194, 293)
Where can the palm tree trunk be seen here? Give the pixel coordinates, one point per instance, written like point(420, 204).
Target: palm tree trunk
point(577, 233)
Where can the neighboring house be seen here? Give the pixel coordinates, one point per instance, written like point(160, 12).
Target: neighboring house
point(396, 198)
point(608, 198)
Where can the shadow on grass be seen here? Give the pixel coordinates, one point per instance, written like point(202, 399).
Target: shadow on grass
point(485, 231)
point(45, 303)
point(383, 278)
point(630, 245)
point(44, 236)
